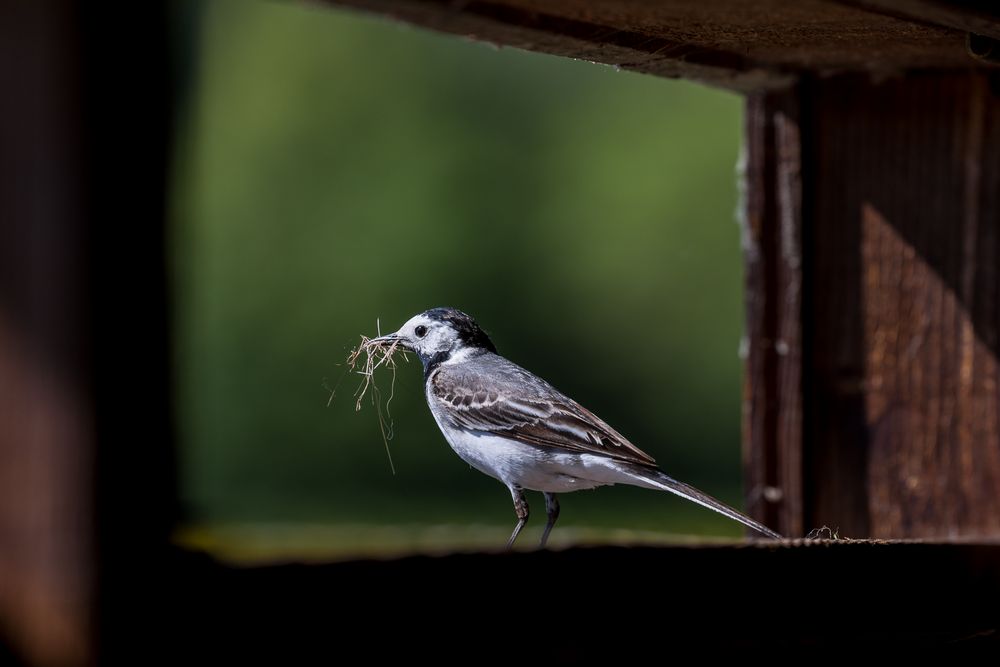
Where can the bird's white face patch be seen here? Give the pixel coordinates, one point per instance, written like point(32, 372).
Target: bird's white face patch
point(428, 337)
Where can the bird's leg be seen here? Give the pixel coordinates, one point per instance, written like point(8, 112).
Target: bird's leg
point(521, 509)
point(552, 510)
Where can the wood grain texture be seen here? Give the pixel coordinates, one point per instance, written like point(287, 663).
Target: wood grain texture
point(772, 244)
point(739, 45)
point(898, 220)
point(906, 215)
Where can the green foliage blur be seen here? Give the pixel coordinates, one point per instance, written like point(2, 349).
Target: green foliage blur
point(334, 170)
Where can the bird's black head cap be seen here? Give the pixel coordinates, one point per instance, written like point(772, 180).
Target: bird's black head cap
point(470, 333)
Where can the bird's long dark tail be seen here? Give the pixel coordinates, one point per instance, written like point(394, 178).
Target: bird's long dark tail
point(655, 479)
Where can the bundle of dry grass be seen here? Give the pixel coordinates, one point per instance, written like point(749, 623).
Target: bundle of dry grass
point(377, 354)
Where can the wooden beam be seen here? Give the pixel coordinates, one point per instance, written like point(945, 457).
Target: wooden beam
point(772, 252)
point(47, 442)
point(899, 324)
point(981, 17)
point(86, 470)
point(640, 602)
point(731, 43)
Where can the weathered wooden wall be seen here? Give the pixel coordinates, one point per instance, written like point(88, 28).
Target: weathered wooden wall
point(878, 354)
point(772, 255)
point(47, 544)
point(736, 44)
point(86, 450)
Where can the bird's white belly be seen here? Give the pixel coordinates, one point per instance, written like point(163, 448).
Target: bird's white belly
point(518, 464)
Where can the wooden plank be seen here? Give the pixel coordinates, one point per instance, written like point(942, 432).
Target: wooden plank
point(772, 405)
point(899, 313)
point(47, 445)
point(584, 604)
point(837, 435)
point(981, 17)
point(86, 470)
point(906, 176)
point(739, 45)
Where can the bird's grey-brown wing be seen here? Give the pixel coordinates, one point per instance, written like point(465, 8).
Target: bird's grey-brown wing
point(503, 398)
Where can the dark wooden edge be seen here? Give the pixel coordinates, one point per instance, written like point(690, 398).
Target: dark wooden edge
point(504, 24)
point(601, 602)
point(644, 41)
point(86, 441)
point(772, 252)
point(981, 17)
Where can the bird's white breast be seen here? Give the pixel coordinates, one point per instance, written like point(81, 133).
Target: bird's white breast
point(519, 464)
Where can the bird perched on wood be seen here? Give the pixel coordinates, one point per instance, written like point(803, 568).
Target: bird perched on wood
point(511, 425)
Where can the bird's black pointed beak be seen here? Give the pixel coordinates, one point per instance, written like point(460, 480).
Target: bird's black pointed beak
point(388, 340)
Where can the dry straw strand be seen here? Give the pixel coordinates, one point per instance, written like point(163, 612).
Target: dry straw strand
point(377, 354)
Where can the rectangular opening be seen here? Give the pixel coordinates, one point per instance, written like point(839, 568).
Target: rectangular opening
point(583, 215)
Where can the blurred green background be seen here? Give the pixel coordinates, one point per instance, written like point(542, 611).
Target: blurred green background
point(332, 170)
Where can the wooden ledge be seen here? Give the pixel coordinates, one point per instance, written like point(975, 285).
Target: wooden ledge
point(739, 45)
point(583, 603)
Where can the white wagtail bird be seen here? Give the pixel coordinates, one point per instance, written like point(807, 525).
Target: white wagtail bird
point(516, 427)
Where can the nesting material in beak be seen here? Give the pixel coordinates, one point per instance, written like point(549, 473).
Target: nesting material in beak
point(378, 352)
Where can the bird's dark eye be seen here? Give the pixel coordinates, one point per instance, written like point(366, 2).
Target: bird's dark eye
point(421, 331)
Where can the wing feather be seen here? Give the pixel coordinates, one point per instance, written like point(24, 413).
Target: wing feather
point(521, 406)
